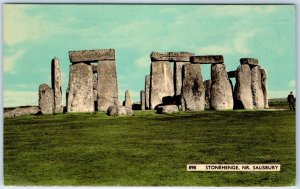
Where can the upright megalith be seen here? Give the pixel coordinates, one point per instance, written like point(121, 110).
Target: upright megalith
point(142, 100)
point(264, 78)
point(147, 91)
point(221, 90)
point(193, 91)
point(207, 86)
point(107, 84)
point(256, 86)
point(46, 99)
point(80, 96)
point(161, 84)
point(178, 76)
point(56, 85)
point(128, 102)
point(243, 92)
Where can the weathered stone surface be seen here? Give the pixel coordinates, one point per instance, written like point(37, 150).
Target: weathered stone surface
point(117, 110)
point(171, 56)
point(56, 85)
point(243, 92)
point(143, 100)
point(81, 94)
point(91, 55)
point(178, 76)
point(21, 111)
point(256, 86)
point(264, 78)
point(162, 84)
point(210, 59)
point(193, 91)
point(107, 85)
point(128, 102)
point(221, 97)
point(250, 61)
point(231, 74)
point(167, 109)
point(46, 99)
point(207, 86)
point(147, 91)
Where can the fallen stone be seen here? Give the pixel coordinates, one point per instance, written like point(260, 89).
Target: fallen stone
point(207, 86)
point(256, 86)
point(162, 84)
point(171, 56)
point(56, 85)
point(81, 94)
point(264, 78)
point(193, 92)
point(46, 99)
point(21, 111)
point(116, 110)
point(210, 59)
point(91, 55)
point(147, 91)
point(221, 97)
point(107, 85)
point(127, 102)
point(178, 76)
point(167, 109)
point(250, 61)
point(143, 100)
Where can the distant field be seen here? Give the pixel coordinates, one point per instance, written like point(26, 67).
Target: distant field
point(148, 149)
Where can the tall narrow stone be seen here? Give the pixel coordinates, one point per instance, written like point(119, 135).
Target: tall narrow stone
point(207, 86)
point(256, 86)
point(243, 92)
point(264, 78)
point(221, 90)
point(147, 91)
point(46, 99)
point(161, 84)
point(142, 97)
point(128, 102)
point(178, 76)
point(56, 85)
point(80, 98)
point(107, 84)
point(193, 92)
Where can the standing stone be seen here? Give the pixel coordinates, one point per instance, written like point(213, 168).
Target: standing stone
point(128, 102)
point(161, 84)
point(178, 76)
point(107, 85)
point(256, 86)
point(56, 85)
point(142, 97)
point(221, 91)
point(243, 92)
point(46, 99)
point(207, 86)
point(193, 92)
point(264, 87)
point(147, 91)
point(81, 97)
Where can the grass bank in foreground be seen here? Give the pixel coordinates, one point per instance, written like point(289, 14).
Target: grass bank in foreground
point(148, 149)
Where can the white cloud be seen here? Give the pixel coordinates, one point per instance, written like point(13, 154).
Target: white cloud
point(292, 83)
point(215, 49)
point(19, 98)
point(242, 10)
point(143, 61)
point(241, 40)
point(9, 61)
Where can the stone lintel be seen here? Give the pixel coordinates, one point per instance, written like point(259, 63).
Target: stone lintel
point(250, 61)
point(171, 56)
point(91, 55)
point(207, 59)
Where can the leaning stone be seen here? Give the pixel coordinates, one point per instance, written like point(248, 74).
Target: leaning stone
point(142, 98)
point(56, 85)
point(46, 99)
point(193, 92)
point(81, 94)
point(127, 102)
point(171, 56)
point(178, 76)
point(221, 97)
point(91, 55)
point(256, 86)
point(207, 86)
point(250, 61)
point(167, 109)
point(21, 111)
point(117, 110)
point(162, 84)
point(107, 85)
point(147, 91)
point(210, 59)
point(264, 78)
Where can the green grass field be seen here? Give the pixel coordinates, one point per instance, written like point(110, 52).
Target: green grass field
point(148, 149)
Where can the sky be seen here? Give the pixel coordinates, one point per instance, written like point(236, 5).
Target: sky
point(34, 34)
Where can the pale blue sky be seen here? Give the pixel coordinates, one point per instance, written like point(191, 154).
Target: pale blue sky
point(34, 34)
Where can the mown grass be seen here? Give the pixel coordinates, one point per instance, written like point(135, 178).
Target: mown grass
point(148, 149)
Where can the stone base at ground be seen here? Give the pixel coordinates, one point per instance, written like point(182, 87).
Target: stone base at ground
point(21, 111)
point(167, 109)
point(46, 99)
point(116, 110)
